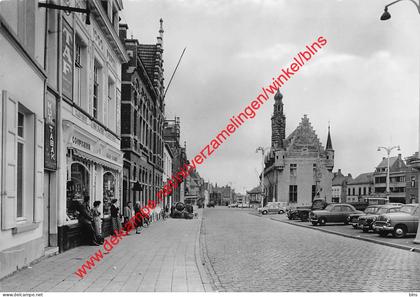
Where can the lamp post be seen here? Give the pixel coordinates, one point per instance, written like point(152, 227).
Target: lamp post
point(260, 148)
point(386, 16)
point(388, 152)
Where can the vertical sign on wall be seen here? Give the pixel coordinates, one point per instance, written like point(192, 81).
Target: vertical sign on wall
point(50, 134)
point(67, 58)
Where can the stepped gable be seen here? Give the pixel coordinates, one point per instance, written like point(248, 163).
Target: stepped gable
point(148, 55)
point(303, 138)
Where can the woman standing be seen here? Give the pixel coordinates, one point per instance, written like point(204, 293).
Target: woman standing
point(97, 223)
point(115, 216)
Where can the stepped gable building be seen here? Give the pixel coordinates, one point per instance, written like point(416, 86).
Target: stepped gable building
point(142, 113)
point(297, 168)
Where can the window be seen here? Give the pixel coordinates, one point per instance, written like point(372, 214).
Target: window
point(413, 181)
point(95, 90)
point(293, 169)
point(293, 193)
point(108, 192)
point(24, 162)
point(20, 164)
point(80, 73)
point(313, 192)
point(348, 191)
point(360, 191)
point(77, 188)
point(380, 179)
point(354, 192)
point(364, 190)
point(314, 169)
point(111, 105)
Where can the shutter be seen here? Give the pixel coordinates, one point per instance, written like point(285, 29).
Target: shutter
point(9, 160)
point(39, 170)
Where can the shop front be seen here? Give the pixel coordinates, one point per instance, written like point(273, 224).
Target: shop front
point(93, 173)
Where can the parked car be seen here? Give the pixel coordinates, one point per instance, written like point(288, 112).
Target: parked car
point(211, 204)
point(292, 213)
point(232, 205)
point(353, 218)
point(333, 213)
point(273, 208)
point(365, 222)
point(400, 223)
point(304, 211)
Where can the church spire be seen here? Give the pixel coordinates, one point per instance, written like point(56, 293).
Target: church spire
point(329, 143)
point(278, 123)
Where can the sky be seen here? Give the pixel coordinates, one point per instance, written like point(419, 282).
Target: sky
point(365, 81)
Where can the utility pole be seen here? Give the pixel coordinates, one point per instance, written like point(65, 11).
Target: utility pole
point(260, 148)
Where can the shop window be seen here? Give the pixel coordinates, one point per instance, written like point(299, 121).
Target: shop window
point(77, 188)
point(108, 192)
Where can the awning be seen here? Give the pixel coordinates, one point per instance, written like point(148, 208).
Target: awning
point(96, 160)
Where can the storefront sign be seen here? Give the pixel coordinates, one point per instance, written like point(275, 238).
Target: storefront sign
point(50, 135)
point(67, 59)
point(80, 143)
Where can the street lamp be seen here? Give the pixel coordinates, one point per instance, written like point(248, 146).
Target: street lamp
point(388, 151)
point(386, 16)
point(260, 148)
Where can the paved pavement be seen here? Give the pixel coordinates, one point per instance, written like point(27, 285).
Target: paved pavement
point(161, 258)
point(251, 253)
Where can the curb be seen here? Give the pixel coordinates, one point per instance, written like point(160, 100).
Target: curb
point(390, 244)
point(208, 287)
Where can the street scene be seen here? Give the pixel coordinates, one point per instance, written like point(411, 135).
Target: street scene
point(209, 146)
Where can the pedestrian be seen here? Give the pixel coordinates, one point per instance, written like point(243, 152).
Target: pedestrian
point(139, 220)
point(115, 216)
point(128, 214)
point(86, 220)
point(85, 204)
point(97, 222)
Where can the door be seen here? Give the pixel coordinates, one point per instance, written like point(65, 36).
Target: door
point(335, 214)
point(46, 210)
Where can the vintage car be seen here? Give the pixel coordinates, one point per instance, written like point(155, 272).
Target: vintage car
point(365, 222)
point(233, 205)
point(400, 223)
point(211, 204)
point(333, 213)
point(353, 218)
point(273, 208)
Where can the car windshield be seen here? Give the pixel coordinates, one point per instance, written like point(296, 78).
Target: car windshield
point(407, 208)
point(383, 210)
point(371, 210)
point(329, 207)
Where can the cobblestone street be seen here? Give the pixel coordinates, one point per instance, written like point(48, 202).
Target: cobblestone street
point(251, 253)
point(162, 258)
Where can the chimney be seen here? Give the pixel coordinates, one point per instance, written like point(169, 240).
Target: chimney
point(339, 171)
point(383, 158)
point(349, 175)
point(123, 32)
point(399, 156)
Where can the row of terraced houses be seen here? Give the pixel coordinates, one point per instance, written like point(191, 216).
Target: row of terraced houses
point(82, 117)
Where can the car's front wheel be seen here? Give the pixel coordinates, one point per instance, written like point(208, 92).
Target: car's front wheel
point(322, 221)
point(264, 212)
point(281, 211)
point(400, 231)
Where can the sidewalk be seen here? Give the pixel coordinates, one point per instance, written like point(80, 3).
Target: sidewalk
point(348, 231)
point(160, 259)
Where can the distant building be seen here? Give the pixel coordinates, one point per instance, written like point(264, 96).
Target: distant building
point(397, 171)
point(167, 170)
point(297, 168)
point(413, 162)
point(360, 188)
point(171, 136)
point(339, 187)
point(254, 195)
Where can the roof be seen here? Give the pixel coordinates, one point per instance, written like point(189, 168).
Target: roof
point(395, 163)
point(256, 190)
point(303, 136)
point(148, 54)
point(364, 178)
point(339, 179)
